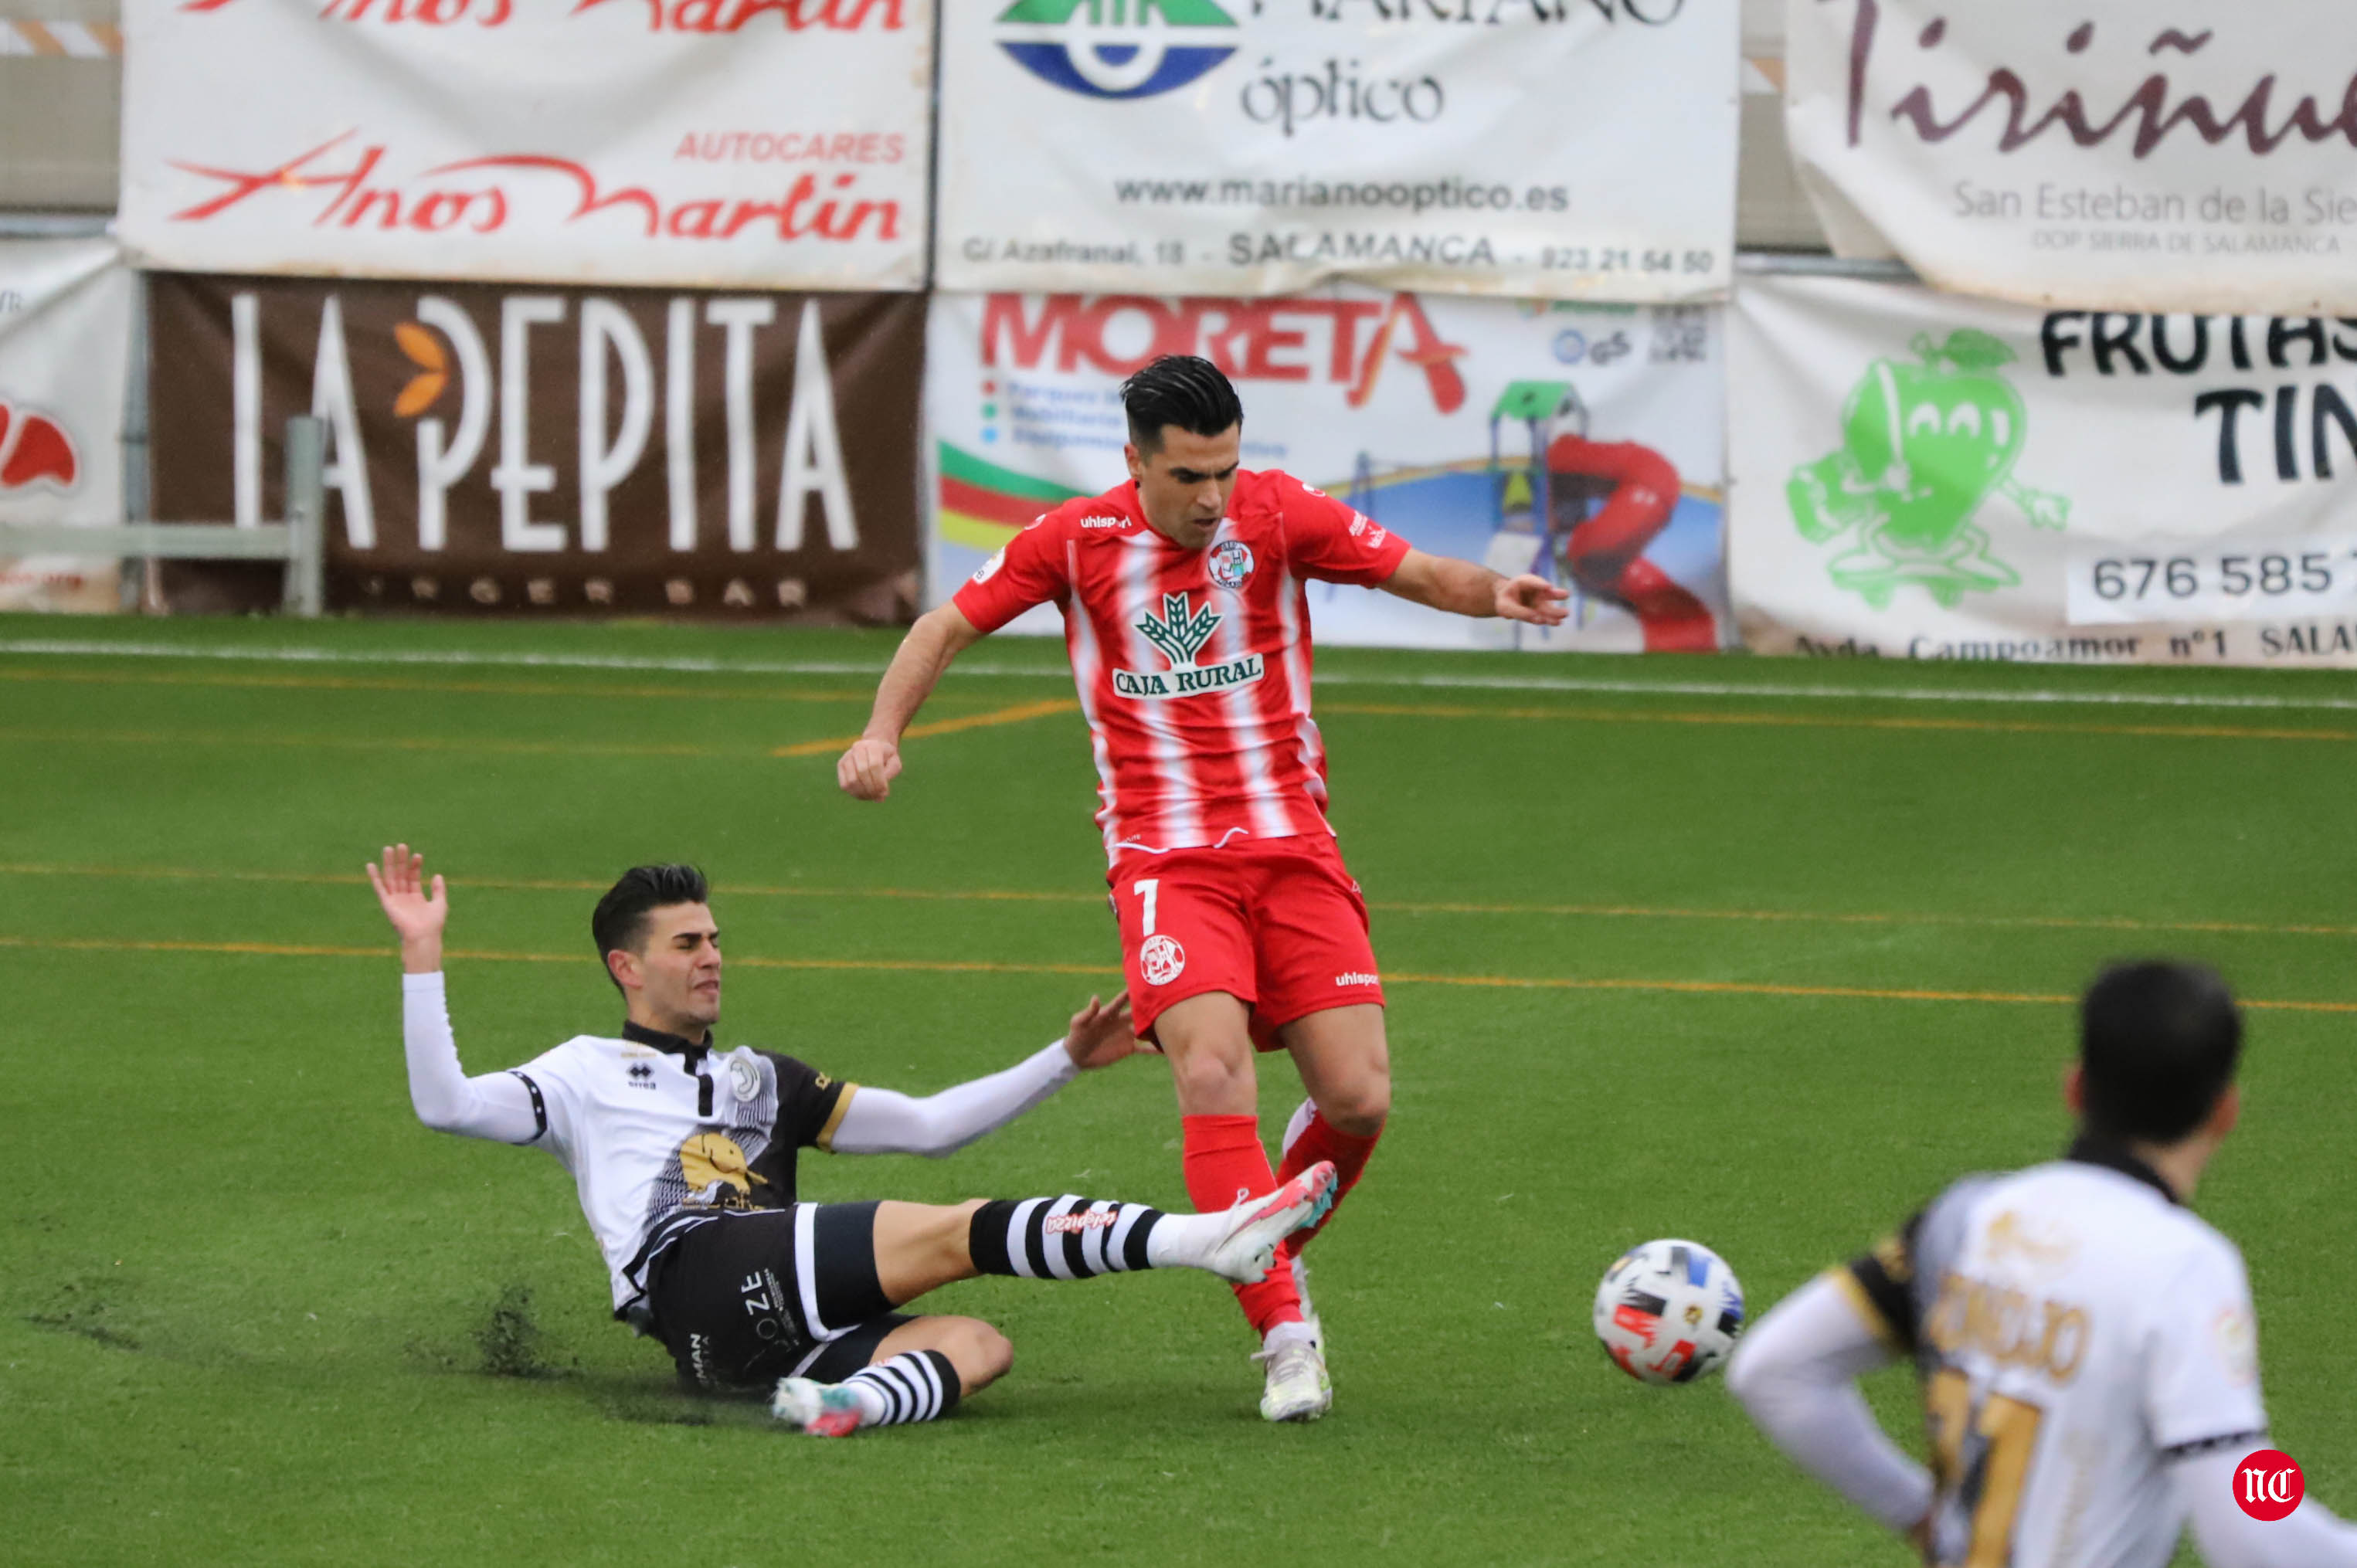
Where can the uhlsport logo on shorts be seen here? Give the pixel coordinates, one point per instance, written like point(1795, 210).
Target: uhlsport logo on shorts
point(1116, 49)
point(1161, 960)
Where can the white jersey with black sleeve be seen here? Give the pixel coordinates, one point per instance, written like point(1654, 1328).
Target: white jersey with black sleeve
point(662, 1133)
point(2089, 1368)
point(658, 1133)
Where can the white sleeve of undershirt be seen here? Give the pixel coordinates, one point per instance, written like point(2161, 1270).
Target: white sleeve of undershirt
point(880, 1121)
point(1795, 1371)
point(2310, 1536)
point(498, 1105)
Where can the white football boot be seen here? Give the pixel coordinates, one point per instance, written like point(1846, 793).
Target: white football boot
point(1246, 1250)
point(822, 1410)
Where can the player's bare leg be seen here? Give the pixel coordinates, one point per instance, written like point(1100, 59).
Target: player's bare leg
point(1345, 1063)
point(921, 1368)
point(1209, 1041)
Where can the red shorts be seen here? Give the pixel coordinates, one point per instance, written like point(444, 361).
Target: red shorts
point(1277, 923)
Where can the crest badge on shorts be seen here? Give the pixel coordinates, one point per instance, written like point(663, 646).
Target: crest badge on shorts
point(1161, 960)
point(1231, 565)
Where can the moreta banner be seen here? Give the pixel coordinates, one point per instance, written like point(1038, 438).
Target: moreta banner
point(1582, 442)
point(65, 352)
point(493, 450)
point(722, 144)
point(2138, 155)
point(1544, 148)
point(1918, 475)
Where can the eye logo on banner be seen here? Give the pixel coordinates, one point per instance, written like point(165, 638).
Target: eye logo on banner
point(1922, 447)
point(36, 449)
point(1116, 49)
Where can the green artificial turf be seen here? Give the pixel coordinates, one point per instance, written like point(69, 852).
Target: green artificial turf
point(250, 1312)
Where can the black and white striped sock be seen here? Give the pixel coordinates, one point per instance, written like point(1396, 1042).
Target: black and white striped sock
point(1065, 1238)
point(916, 1385)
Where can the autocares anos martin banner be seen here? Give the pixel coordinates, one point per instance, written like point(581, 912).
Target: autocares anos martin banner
point(728, 143)
point(1546, 148)
point(2152, 155)
point(1580, 441)
point(1920, 474)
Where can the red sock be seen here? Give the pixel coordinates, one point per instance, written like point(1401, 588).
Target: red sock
point(1225, 1164)
point(1321, 1140)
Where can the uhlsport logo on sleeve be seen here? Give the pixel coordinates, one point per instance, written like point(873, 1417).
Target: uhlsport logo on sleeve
point(1116, 49)
point(1178, 634)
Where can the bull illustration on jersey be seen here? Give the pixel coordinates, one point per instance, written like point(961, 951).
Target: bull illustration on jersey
point(1923, 445)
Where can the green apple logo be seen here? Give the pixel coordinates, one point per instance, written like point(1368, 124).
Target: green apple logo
point(1922, 447)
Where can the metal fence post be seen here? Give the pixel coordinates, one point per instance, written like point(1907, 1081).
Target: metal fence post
point(306, 441)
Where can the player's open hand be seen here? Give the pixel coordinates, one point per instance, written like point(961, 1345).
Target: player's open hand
point(1101, 1036)
point(418, 910)
point(866, 773)
point(1532, 599)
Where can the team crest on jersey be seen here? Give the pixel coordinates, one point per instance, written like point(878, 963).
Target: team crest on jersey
point(1231, 563)
point(1178, 634)
point(744, 1080)
point(1161, 960)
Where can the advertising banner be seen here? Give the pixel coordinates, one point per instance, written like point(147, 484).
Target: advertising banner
point(1920, 476)
point(1581, 442)
point(494, 450)
point(2128, 154)
point(65, 349)
point(721, 143)
point(1545, 148)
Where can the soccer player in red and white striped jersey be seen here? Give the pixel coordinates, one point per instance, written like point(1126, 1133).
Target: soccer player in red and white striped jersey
point(1187, 621)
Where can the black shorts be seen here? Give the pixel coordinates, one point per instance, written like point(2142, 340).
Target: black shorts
point(749, 1296)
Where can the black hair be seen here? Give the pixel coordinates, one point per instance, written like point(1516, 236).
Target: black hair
point(2157, 1045)
point(1184, 390)
point(620, 920)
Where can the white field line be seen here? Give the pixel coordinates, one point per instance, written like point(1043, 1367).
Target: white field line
point(462, 659)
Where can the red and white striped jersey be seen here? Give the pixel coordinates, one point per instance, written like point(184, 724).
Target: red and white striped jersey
point(1192, 665)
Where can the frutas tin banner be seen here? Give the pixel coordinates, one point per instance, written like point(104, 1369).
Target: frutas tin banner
point(2140, 155)
point(65, 349)
point(1546, 148)
point(772, 144)
point(1582, 442)
point(746, 457)
point(1918, 475)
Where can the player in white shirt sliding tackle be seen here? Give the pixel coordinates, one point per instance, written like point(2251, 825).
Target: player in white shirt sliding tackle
point(2087, 1347)
point(683, 1156)
point(1183, 594)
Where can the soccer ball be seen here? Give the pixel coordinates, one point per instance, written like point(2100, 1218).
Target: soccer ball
point(1669, 1312)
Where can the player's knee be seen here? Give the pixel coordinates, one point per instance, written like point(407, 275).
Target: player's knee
point(1359, 1103)
point(981, 1354)
point(1205, 1077)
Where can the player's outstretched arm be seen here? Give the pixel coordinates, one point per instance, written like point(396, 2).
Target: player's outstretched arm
point(1461, 588)
point(416, 911)
point(882, 1121)
point(497, 1106)
point(1796, 1373)
point(866, 771)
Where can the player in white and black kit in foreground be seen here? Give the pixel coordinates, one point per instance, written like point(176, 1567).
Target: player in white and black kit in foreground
point(683, 1154)
point(2087, 1347)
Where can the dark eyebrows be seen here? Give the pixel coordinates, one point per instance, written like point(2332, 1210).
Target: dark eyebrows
point(1190, 476)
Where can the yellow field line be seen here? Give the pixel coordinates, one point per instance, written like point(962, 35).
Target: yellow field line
point(1560, 715)
point(397, 684)
point(1020, 712)
point(982, 966)
point(1396, 905)
point(1829, 721)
